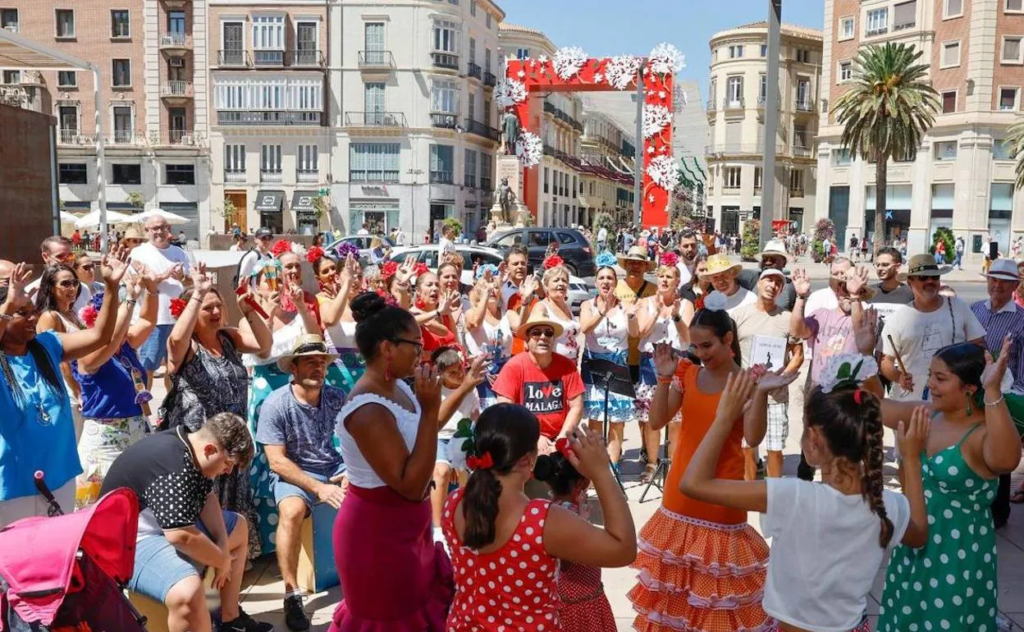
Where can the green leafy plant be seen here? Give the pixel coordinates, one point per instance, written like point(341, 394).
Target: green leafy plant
point(454, 224)
point(602, 220)
point(320, 206)
point(751, 240)
point(137, 202)
point(945, 235)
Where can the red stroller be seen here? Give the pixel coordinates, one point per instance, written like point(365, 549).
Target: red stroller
point(67, 572)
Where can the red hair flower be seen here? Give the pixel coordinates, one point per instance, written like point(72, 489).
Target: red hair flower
point(562, 445)
point(177, 307)
point(669, 259)
point(388, 298)
point(88, 315)
point(484, 462)
point(700, 302)
point(280, 247)
point(420, 268)
point(314, 254)
point(389, 269)
point(552, 262)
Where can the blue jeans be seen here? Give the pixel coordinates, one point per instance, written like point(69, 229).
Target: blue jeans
point(154, 349)
point(283, 489)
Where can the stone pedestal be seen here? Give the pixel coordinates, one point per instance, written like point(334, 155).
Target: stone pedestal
point(508, 167)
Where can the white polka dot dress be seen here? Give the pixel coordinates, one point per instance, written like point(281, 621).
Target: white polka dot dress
point(512, 589)
point(950, 583)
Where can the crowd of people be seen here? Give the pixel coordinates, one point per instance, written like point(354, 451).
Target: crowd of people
point(459, 428)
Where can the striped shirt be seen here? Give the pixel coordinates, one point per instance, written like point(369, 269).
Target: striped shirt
point(1008, 320)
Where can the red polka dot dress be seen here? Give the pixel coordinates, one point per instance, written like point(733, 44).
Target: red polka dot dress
point(585, 607)
point(511, 589)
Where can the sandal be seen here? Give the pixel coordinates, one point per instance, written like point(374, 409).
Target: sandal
point(1018, 496)
point(648, 473)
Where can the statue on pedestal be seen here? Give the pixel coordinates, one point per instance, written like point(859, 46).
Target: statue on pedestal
point(506, 201)
point(510, 132)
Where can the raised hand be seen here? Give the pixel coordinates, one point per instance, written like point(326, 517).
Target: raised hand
point(113, 266)
point(676, 306)
point(739, 389)
point(992, 377)
point(801, 282)
point(177, 272)
point(244, 297)
point(428, 387)
point(294, 292)
point(588, 454)
point(601, 304)
point(665, 364)
point(856, 280)
point(20, 276)
point(865, 331)
point(775, 380)
point(528, 288)
point(475, 375)
point(631, 308)
point(351, 268)
point(200, 281)
point(405, 271)
point(912, 437)
point(447, 302)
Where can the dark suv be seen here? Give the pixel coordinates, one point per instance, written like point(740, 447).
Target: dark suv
point(573, 247)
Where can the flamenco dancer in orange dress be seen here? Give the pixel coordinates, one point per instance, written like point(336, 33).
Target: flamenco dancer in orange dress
point(701, 566)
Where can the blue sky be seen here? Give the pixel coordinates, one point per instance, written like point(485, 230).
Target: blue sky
point(614, 27)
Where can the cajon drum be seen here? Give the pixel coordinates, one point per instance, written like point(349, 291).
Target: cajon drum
point(156, 612)
point(317, 571)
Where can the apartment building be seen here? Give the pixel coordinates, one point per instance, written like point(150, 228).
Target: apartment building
point(607, 155)
point(961, 177)
point(561, 130)
point(737, 95)
point(415, 127)
point(270, 142)
point(152, 58)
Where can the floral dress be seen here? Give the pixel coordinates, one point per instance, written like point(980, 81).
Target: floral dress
point(950, 583)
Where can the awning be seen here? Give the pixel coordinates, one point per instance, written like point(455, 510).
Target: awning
point(269, 201)
point(302, 201)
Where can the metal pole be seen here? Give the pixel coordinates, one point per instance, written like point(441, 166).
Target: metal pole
point(100, 180)
point(638, 142)
point(55, 187)
point(771, 121)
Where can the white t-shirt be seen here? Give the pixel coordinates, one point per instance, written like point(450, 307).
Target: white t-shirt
point(469, 407)
point(741, 297)
point(446, 245)
point(159, 261)
point(824, 298)
point(602, 235)
point(918, 335)
point(825, 553)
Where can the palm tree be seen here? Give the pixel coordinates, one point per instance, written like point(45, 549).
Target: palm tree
point(886, 112)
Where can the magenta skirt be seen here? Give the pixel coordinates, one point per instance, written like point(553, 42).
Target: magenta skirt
point(393, 577)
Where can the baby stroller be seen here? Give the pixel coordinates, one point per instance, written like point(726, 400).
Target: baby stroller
point(66, 573)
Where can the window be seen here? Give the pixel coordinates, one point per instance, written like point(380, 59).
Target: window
point(1000, 149)
point(904, 16)
point(446, 37)
point(758, 178)
point(471, 107)
point(12, 76)
point(841, 157)
point(796, 183)
point(119, 26)
point(65, 22)
point(234, 161)
point(487, 60)
point(67, 79)
point(488, 19)
point(176, 23)
point(444, 96)
point(373, 103)
point(122, 77)
point(800, 137)
point(233, 41)
point(472, 8)
point(268, 32)
point(845, 71)
point(123, 128)
point(952, 9)
point(9, 19)
point(126, 173)
point(735, 52)
point(732, 177)
point(1008, 98)
point(803, 56)
point(877, 22)
point(1014, 6)
point(846, 28)
point(180, 174)
point(72, 173)
point(270, 162)
point(373, 162)
point(764, 50)
point(522, 53)
point(307, 159)
point(1011, 50)
point(803, 95)
point(470, 169)
point(950, 54)
point(948, 102)
point(734, 91)
point(945, 150)
point(442, 163)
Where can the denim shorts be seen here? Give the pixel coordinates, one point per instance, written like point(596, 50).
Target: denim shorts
point(154, 349)
point(442, 452)
point(283, 489)
point(159, 566)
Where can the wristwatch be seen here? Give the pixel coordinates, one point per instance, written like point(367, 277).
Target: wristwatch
point(677, 318)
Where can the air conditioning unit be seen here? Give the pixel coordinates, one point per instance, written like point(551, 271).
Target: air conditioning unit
point(177, 62)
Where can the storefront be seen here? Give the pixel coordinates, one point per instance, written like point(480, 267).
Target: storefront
point(897, 215)
point(377, 216)
point(1000, 210)
point(304, 206)
point(269, 205)
point(942, 209)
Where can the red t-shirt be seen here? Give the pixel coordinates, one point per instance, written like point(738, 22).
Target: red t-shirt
point(544, 392)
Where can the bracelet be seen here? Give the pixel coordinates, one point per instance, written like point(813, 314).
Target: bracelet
point(802, 296)
point(665, 379)
point(130, 302)
point(997, 402)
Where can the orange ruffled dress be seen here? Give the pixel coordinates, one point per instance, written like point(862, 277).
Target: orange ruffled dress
point(701, 566)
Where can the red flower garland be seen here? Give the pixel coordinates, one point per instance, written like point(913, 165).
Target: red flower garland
point(177, 307)
point(388, 270)
point(280, 247)
point(314, 254)
point(553, 262)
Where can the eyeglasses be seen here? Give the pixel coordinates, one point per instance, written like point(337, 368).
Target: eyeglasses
point(414, 343)
point(158, 229)
point(88, 267)
point(69, 283)
point(265, 238)
point(541, 333)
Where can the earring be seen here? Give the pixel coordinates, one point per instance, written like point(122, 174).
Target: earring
point(970, 396)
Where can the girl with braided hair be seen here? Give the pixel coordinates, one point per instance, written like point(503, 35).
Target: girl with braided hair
point(848, 519)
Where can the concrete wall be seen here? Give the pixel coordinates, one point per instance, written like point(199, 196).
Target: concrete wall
point(26, 182)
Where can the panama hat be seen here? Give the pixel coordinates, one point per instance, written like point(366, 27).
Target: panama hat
point(133, 232)
point(776, 248)
point(925, 266)
point(1003, 270)
point(537, 320)
point(719, 263)
point(636, 253)
point(306, 345)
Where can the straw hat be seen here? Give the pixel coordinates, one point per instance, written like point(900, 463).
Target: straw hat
point(133, 232)
point(536, 320)
point(306, 345)
point(636, 253)
point(1003, 270)
point(719, 263)
point(925, 266)
point(776, 248)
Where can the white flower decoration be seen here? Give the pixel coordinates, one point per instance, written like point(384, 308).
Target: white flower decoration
point(529, 149)
point(509, 92)
point(663, 172)
point(656, 118)
point(846, 367)
point(598, 77)
point(661, 94)
point(543, 59)
point(569, 61)
point(521, 74)
point(666, 59)
point(650, 198)
point(715, 302)
point(650, 149)
point(621, 71)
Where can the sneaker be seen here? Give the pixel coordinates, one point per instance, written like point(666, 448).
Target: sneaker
point(245, 623)
point(294, 616)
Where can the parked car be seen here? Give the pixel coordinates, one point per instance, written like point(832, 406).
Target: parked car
point(431, 255)
point(573, 247)
point(362, 242)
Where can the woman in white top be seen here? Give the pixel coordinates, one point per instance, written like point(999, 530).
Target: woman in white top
point(555, 307)
point(487, 331)
point(55, 299)
point(337, 289)
point(391, 575)
point(608, 324)
point(662, 320)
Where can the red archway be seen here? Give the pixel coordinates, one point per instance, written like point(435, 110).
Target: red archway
point(572, 71)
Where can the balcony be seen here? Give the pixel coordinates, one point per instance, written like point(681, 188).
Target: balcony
point(376, 60)
point(183, 137)
point(305, 58)
point(175, 43)
point(238, 58)
point(478, 128)
point(489, 79)
point(123, 137)
point(69, 136)
point(805, 107)
point(307, 176)
point(559, 115)
point(177, 90)
point(762, 100)
point(26, 97)
point(234, 175)
point(881, 30)
point(177, 4)
point(903, 26)
point(268, 117)
point(473, 70)
point(447, 61)
point(271, 176)
point(796, 193)
point(802, 150)
point(441, 177)
point(733, 104)
point(375, 119)
point(265, 58)
point(711, 105)
point(444, 120)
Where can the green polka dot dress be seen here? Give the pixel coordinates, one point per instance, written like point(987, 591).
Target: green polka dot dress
point(950, 583)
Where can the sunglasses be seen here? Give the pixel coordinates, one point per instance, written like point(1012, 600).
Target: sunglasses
point(541, 333)
point(68, 283)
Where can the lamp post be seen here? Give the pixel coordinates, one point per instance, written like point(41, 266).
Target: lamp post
point(771, 121)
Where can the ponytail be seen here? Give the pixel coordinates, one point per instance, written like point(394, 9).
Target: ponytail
point(872, 482)
point(480, 507)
